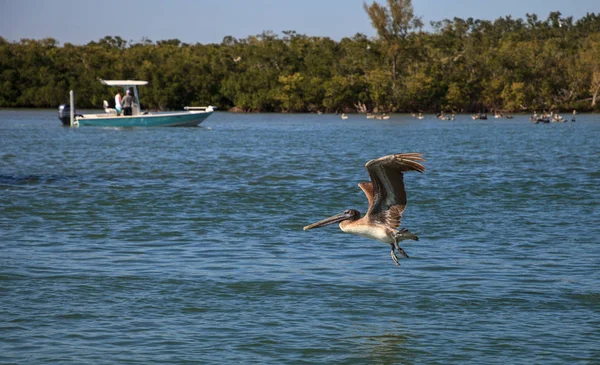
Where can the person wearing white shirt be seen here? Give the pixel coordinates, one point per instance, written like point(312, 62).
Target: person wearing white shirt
point(118, 103)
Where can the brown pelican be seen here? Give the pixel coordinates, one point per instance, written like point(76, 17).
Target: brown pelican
point(387, 201)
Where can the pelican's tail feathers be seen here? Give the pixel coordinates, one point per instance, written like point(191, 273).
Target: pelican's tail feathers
point(405, 234)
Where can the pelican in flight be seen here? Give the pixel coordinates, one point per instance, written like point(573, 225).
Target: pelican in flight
point(387, 201)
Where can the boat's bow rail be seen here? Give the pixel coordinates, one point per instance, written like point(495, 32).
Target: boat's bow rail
point(209, 108)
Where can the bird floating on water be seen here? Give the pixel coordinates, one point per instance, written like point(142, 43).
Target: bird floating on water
point(387, 201)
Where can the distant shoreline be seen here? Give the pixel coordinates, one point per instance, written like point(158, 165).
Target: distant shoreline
point(463, 65)
point(427, 114)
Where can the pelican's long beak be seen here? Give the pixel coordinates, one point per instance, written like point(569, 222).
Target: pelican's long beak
point(327, 221)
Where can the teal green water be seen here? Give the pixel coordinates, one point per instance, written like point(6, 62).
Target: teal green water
point(180, 246)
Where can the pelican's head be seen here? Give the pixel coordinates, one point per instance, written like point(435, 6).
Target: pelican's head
point(349, 214)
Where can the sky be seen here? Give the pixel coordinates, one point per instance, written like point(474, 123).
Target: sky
point(209, 21)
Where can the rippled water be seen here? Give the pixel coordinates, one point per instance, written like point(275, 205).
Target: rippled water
point(186, 246)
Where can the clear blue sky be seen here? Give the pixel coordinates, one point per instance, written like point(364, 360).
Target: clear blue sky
point(208, 21)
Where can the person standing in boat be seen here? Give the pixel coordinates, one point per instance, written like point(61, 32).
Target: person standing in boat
point(127, 103)
point(118, 103)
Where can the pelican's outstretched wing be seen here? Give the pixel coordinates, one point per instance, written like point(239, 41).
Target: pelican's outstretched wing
point(387, 198)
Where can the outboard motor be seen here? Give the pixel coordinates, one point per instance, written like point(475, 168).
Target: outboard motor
point(64, 114)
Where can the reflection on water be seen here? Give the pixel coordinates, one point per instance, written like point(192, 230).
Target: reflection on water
point(387, 348)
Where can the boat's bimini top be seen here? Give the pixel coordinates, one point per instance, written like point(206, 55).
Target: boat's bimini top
point(123, 82)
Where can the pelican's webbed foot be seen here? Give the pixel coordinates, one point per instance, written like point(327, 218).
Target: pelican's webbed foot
point(401, 251)
point(393, 254)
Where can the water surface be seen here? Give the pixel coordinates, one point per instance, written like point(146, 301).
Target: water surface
point(185, 245)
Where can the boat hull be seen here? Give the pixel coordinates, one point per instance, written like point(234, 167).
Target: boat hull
point(182, 119)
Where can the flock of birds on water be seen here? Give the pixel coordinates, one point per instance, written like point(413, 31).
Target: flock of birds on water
point(535, 118)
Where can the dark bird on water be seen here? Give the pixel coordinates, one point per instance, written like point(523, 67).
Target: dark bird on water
point(387, 201)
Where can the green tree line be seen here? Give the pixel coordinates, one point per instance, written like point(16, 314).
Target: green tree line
point(460, 65)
